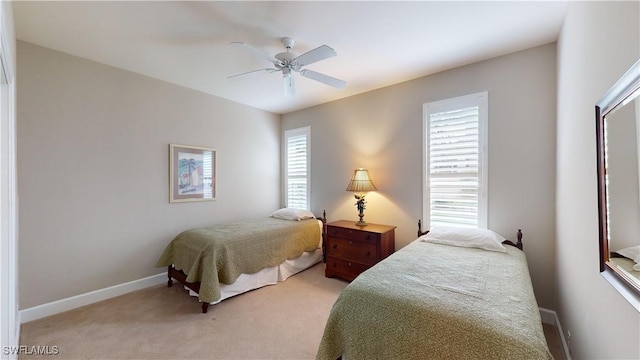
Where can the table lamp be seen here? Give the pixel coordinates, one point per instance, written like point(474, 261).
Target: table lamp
point(360, 184)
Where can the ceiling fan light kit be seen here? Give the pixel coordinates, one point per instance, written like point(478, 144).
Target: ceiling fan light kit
point(288, 63)
point(289, 84)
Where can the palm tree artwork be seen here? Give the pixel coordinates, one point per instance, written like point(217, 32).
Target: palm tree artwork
point(189, 173)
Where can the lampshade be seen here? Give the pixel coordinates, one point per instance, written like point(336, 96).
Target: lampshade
point(361, 182)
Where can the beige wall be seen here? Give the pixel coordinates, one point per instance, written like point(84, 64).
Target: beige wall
point(93, 170)
point(382, 131)
point(598, 43)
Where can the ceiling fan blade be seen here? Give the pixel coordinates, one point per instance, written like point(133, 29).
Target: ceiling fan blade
point(289, 85)
point(325, 79)
point(270, 70)
point(258, 52)
point(315, 55)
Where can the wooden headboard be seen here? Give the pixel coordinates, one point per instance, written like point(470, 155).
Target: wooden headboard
point(517, 244)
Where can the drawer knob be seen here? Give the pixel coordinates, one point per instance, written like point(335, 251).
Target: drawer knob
point(367, 237)
point(368, 253)
point(335, 246)
point(349, 264)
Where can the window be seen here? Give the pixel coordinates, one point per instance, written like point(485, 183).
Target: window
point(455, 175)
point(297, 174)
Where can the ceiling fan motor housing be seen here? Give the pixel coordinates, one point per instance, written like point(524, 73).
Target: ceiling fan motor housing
point(286, 62)
point(285, 57)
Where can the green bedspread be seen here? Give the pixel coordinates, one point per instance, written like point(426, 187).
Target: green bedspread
point(221, 253)
point(431, 301)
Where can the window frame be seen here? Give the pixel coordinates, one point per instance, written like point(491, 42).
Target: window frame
point(480, 99)
point(306, 131)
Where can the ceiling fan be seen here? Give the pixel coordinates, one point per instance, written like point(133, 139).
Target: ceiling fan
point(288, 63)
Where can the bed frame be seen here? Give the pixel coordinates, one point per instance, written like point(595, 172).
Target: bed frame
point(517, 244)
point(181, 277)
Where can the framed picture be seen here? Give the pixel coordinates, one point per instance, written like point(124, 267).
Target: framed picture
point(192, 173)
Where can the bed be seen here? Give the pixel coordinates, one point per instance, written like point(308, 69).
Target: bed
point(439, 300)
point(217, 262)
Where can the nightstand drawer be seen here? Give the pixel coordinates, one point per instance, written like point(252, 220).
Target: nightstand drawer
point(364, 236)
point(344, 269)
point(350, 249)
point(354, 250)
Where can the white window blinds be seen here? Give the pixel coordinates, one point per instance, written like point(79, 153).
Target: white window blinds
point(297, 167)
point(455, 182)
point(207, 174)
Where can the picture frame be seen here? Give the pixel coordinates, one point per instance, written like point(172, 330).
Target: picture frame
point(192, 173)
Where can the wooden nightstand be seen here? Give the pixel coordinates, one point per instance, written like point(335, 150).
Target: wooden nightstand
point(352, 249)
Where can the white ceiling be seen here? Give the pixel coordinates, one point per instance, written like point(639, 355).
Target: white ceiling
point(378, 43)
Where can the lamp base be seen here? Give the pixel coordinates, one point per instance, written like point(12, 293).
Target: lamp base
point(360, 205)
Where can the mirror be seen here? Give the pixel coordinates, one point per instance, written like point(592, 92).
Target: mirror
point(618, 139)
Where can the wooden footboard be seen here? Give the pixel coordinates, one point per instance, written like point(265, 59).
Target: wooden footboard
point(173, 273)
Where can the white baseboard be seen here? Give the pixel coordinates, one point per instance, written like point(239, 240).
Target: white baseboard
point(10, 350)
point(56, 307)
point(550, 317)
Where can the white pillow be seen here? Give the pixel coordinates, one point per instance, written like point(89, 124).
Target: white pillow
point(293, 214)
point(465, 237)
point(632, 253)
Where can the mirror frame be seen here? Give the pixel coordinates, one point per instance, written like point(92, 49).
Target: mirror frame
point(625, 90)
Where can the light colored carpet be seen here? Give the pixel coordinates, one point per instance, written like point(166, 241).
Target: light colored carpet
point(284, 321)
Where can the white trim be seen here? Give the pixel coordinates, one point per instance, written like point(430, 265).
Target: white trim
point(9, 314)
point(631, 296)
point(56, 307)
point(425, 168)
point(550, 317)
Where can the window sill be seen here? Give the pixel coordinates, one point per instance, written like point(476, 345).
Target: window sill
point(631, 296)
